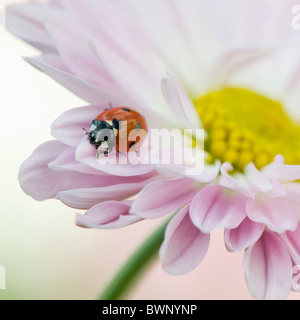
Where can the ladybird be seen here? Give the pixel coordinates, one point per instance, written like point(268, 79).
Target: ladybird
point(112, 120)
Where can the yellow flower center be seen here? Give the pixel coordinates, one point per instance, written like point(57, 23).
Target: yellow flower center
point(243, 126)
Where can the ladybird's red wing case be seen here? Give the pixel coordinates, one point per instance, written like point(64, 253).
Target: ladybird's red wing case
point(136, 127)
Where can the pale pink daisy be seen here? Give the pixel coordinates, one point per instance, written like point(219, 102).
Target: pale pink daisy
point(230, 67)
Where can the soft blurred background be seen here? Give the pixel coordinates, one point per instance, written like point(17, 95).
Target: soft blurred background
point(45, 255)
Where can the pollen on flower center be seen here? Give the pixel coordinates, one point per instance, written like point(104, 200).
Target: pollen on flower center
point(243, 126)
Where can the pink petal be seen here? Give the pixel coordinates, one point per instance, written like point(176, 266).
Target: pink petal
point(86, 154)
point(123, 50)
point(293, 195)
point(251, 182)
point(79, 86)
point(282, 172)
point(209, 173)
point(180, 161)
point(68, 127)
point(27, 22)
point(214, 207)
point(237, 182)
point(242, 237)
point(113, 188)
point(107, 215)
point(204, 175)
point(141, 87)
point(159, 198)
point(278, 214)
point(268, 268)
point(66, 161)
point(36, 179)
point(184, 246)
point(292, 241)
point(180, 103)
point(67, 34)
point(260, 183)
point(232, 62)
point(177, 51)
point(57, 3)
point(82, 10)
point(115, 24)
point(41, 182)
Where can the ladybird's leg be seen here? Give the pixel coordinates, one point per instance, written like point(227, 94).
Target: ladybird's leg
point(86, 132)
point(98, 154)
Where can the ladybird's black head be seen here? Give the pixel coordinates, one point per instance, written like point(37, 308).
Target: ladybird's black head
point(101, 135)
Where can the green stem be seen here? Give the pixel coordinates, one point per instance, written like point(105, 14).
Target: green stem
point(134, 266)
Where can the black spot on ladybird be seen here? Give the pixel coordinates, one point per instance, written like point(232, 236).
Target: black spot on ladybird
point(126, 109)
point(116, 124)
point(131, 144)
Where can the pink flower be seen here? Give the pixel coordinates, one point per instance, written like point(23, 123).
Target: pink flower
point(181, 65)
